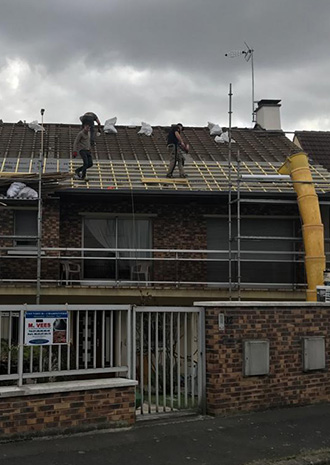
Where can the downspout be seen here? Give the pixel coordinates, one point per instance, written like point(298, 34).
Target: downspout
point(313, 235)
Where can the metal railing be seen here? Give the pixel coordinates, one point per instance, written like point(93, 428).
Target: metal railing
point(99, 343)
point(120, 266)
point(160, 347)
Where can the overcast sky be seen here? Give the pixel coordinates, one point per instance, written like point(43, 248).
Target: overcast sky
point(163, 61)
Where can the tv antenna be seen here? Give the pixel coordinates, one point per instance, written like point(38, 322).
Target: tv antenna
point(248, 55)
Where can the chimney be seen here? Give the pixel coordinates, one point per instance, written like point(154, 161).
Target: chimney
point(268, 114)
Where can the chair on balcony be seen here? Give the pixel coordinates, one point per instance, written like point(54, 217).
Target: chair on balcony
point(70, 271)
point(140, 270)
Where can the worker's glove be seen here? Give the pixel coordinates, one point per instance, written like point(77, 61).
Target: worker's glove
point(75, 154)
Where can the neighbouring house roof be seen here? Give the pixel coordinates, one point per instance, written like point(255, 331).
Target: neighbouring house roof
point(316, 144)
point(127, 160)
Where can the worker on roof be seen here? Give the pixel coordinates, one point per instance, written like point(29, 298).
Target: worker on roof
point(176, 148)
point(89, 118)
point(82, 145)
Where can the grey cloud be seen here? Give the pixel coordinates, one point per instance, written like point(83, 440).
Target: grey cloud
point(186, 37)
point(186, 34)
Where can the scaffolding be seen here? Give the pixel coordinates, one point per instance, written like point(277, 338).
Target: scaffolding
point(38, 237)
point(238, 238)
point(250, 178)
point(39, 234)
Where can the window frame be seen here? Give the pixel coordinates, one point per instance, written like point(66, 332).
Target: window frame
point(116, 217)
point(33, 245)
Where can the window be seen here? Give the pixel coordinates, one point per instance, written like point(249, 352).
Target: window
point(114, 233)
point(262, 261)
point(26, 224)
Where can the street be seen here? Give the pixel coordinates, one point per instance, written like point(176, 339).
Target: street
point(234, 440)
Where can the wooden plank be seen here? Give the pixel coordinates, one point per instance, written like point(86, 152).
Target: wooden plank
point(164, 180)
point(11, 174)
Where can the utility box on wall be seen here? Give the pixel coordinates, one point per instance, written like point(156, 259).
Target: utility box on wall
point(256, 357)
point(313, 353)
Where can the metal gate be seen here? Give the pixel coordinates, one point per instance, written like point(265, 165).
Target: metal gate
point(168, 359)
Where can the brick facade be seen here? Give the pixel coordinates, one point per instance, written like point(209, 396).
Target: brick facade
point(26, 268)
point(56, 413)
point(177, 223)
point(286, 384)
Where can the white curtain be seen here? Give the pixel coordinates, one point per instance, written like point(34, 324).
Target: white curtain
point(118, 233)
point(104, 231)
point(135, 235)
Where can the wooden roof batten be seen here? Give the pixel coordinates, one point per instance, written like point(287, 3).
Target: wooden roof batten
point(150, 176)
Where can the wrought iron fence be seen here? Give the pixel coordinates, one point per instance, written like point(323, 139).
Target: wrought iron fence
point(99, 343)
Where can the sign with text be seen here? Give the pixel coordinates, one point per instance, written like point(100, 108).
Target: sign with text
point(46, 328)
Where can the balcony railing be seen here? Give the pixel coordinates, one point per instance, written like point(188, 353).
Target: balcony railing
point(120, 267)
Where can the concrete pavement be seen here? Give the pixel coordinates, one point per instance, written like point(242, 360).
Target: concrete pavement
point(236, 440)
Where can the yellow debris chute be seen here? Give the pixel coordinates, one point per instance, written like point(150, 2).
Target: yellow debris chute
point(313, 235)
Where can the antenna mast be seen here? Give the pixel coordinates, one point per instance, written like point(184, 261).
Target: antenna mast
point(248, 55)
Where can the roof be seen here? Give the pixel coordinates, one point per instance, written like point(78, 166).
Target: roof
point(128, 160)
point(19, 141)
point(149, 176)
point(317, 145)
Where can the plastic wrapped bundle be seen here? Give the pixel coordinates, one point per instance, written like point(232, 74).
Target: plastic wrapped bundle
point(14, 189)
point(145, 129)
point(35, 126)
point(19, 190)
point(215, 129)
point(109, 126)
point(224, 138)
point(27, 193)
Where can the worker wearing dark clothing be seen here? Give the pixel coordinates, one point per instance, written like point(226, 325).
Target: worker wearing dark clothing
point(175, 148)
point(82, 145)
point(89, 118)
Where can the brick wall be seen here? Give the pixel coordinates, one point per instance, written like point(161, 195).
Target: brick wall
point(286, 384)
point(67, 411)
point(26, 268)
point(51, 238)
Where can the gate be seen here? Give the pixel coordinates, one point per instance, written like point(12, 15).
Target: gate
point(168, 359)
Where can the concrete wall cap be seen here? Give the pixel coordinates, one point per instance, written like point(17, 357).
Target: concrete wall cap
point(224, 303)
point(65, 386)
